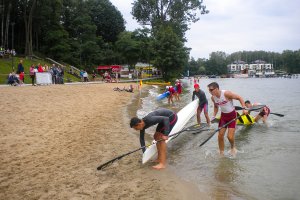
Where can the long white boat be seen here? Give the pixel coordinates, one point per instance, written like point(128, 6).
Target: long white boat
point(184, 115)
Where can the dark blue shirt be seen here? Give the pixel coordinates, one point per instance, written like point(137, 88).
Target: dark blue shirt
point(202, 97)
point(161, 115)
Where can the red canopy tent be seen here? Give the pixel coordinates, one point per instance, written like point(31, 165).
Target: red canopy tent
point(113, 68)
point(103, 67)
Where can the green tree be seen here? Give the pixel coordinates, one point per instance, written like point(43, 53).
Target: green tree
point(55, 40)
point(143, 36)
point(170, 53)
point(128, 48)
point(217, 63)
point(173, 13)
point(291, 61)
point(107, 18)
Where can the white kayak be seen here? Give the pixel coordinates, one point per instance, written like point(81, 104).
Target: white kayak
point(184, 115)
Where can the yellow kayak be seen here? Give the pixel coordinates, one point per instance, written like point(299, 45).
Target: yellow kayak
point(243, 120)
point(157, 83)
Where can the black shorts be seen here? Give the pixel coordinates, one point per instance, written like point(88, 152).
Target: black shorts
point(160, 127)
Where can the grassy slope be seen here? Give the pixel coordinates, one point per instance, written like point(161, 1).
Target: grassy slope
point(6, 68)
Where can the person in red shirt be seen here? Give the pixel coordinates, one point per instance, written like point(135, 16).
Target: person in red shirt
point(21, 77)
point(172, 92)
point(178, 89)
point(40, 68)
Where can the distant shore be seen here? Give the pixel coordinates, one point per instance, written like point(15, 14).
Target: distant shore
point(54, 137)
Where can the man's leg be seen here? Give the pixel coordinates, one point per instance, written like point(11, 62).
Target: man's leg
point(230, 136)
point(163, 156)
point(221, 140)
point(171, 97)
point(207, 118)
point(198, 115)
point(156, 138)
point(162, 153)
point(206, 115)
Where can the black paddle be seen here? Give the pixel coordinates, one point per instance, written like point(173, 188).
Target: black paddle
point(104, 165)
point(277, 114)
point(249, 109)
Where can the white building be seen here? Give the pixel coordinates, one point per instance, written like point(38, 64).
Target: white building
point(238, 69)
point(258, 68)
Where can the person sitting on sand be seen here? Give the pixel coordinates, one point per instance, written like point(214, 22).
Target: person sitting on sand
point(130, 89)
point(166, 119)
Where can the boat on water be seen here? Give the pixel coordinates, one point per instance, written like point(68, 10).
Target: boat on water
point(158, 83)
point(163, 95)
point(184, 115)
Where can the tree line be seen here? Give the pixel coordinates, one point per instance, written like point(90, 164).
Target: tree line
point(288, 61)
point(88, 33)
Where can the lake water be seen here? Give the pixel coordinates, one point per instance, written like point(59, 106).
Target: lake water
point(267, 165)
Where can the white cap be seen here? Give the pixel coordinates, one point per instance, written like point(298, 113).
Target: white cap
point(167, 87)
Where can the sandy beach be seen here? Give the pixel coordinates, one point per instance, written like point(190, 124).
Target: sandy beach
point(53, 138)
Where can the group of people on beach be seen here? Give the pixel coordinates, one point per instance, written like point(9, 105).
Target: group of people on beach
point(18, 78)
point(165, 119)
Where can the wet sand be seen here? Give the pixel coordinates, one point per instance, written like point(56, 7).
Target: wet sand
point(53, 138)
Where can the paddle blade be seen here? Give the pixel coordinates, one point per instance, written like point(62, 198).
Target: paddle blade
point(238, 108)
point(253, 108)
point(277, 114)
point(258, 107)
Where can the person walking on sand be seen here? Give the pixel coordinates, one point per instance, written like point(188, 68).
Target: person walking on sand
point(203, 104)
point(263, 114)
point(224, 100)
point(166, 119)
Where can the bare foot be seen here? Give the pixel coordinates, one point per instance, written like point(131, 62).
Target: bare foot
point(159, 166)
point(222, 153)
point(233, 151)
point(155, 161)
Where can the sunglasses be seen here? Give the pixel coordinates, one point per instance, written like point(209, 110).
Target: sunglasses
point(211, 89)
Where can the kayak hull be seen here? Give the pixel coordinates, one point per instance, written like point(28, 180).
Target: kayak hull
point(163, 95)
point(184, 115)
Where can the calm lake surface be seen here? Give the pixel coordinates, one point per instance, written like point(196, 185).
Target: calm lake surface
point(267, 165)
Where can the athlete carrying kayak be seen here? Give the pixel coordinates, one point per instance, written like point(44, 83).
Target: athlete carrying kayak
point(166, 119)
point(224, 100)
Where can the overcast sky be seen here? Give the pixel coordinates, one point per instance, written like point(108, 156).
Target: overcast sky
point(237, 25)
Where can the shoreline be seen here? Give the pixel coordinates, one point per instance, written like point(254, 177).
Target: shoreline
point(54, 137)
point(185, 190)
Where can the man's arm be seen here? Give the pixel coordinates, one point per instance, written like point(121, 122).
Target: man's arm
point(216, 107)
point(231, 95)
point(142, 140)
point(193, 97)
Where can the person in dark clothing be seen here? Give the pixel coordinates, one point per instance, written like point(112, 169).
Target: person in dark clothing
point(166, 119)
point(203, 104)
point(20, 68)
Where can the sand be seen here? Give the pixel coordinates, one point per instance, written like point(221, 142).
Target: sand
point(52, 139)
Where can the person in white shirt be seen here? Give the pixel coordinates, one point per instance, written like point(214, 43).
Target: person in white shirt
point(224, 100)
